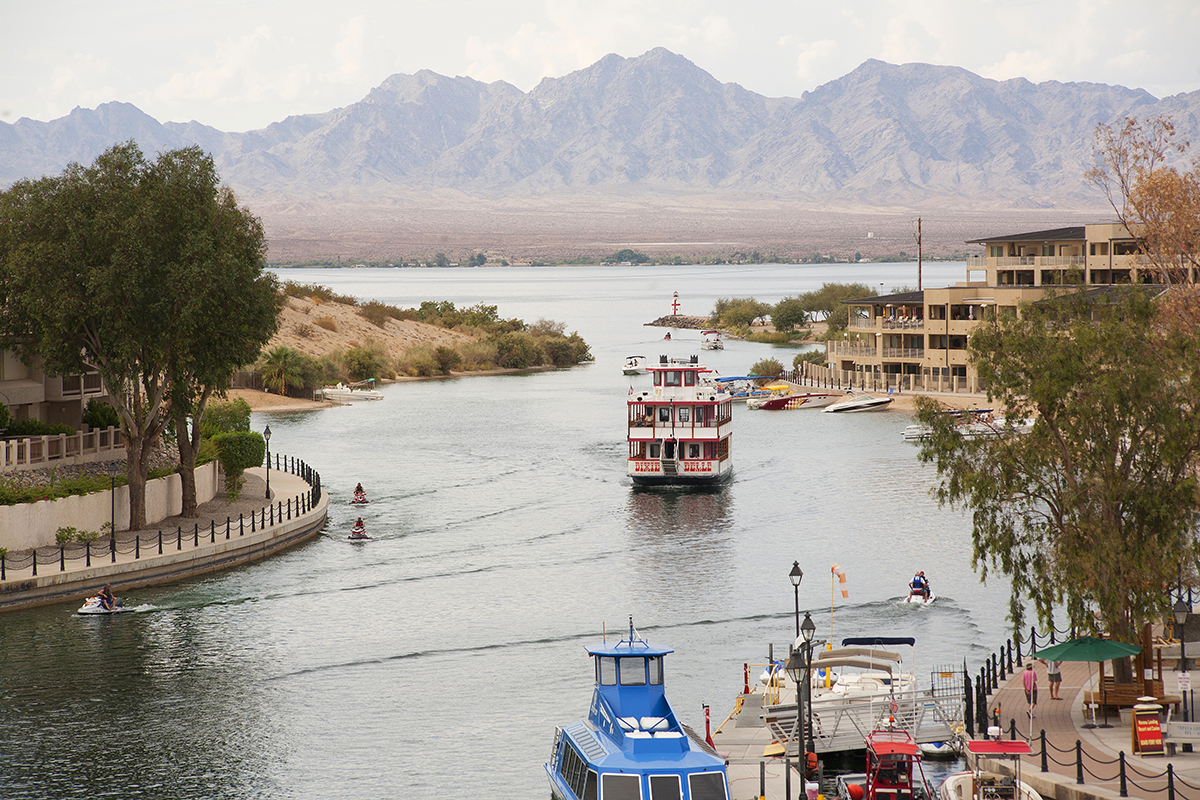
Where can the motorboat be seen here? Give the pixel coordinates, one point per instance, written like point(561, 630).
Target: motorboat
point(861, 668)
point(634, 365)
point(632, 745)
point(741, 388)
point(711, 340)
point(949, 749)
point(894, 770)
point(358, 532)
point(972, 424)
point(346, 392)
point(679, 431)
point(789, 399)
point(93, 606)
point(859, 402)
point(980, 784)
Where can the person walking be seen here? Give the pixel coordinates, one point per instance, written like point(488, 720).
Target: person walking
point(1054, 676)
point(1029, 677)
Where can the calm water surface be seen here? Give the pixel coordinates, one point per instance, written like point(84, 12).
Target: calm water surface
point(435, 660)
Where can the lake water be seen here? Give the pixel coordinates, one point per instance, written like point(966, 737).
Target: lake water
point(435, 660)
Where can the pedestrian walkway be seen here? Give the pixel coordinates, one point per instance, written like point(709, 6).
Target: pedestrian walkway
point(222, 535)
point(1100, 747)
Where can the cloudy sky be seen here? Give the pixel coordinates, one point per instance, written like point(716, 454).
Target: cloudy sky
point(241, 65)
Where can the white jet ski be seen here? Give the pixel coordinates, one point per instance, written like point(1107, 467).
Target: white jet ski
point(919, 597)
point(93, 606)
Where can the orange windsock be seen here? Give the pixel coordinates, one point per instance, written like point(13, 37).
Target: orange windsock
point(840, 574)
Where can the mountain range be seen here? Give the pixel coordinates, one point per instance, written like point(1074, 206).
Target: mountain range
point(882, 134)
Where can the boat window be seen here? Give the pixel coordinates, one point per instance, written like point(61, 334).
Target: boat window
point(656, 675)
point(658, 379)
point(684, 414)
point(693, 451)
point(633, 671)
point(689, 378)
point(664, 787)
point(664, 413)
point(620, 787)
point(655, 450)
point(672, 378)
point(590, 789)
point(572, 767)
point(707, 786)
point(608, 670)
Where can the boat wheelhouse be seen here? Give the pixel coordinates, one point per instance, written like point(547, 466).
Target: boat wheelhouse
point(632, 746)
point(679, 431)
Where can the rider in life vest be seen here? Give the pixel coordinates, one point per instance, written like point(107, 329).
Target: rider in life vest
point(920, 584)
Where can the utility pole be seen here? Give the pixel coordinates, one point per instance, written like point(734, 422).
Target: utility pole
point(919, 254)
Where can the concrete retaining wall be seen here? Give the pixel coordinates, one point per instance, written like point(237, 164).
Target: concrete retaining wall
point(29, 525)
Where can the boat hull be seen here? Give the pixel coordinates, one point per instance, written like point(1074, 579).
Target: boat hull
point(858, 405)
point(682, 480)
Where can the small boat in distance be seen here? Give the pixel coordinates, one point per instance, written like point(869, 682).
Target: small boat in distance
point(859, 402)
point(635, 365)
point(711, 340)
point(361, 390)
point(631, 740)
point(679, 432)
point(973, 424)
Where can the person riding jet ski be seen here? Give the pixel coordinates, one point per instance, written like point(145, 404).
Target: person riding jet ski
point(920, 585)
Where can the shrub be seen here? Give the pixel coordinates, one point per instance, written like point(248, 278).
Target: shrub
point(238, 451)
point(227, 417)
point(35, 427)
point(478, 355)
point(811, 356)
point(327, 323)
point(99, 415)
point(305, 331)
point(767, 367)
point(362, 363)
point(5, 417)
point(447, 359)
point(517, 350)
point(378, 313)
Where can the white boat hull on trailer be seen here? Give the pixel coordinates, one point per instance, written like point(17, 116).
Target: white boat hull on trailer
point(859, 402)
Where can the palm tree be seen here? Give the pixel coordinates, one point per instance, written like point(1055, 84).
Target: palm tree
point(280, 366)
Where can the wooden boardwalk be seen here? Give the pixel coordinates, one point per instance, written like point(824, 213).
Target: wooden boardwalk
point(1064, 723)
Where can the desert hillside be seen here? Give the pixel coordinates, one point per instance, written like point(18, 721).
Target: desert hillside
point(318, 328)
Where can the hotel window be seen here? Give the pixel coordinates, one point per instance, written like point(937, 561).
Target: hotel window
point(996, 251)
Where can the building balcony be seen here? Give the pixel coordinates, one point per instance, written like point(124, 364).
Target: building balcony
point(905, 353)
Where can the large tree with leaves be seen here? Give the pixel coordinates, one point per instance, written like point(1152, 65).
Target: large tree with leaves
point(1095, 509)
point(1137, 164)
point(124, 266)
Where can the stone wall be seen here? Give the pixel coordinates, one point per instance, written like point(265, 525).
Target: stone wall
point(29, 525)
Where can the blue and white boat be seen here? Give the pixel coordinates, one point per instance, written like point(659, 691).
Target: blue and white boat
point(632, 746)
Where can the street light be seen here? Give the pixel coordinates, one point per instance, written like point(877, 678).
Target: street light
point(1180, 612)
point(267, 439)
point(112, 491)
point(797, 575)
point(799, 666)
point(807, 629)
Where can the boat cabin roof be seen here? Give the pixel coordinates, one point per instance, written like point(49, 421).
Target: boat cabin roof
point(887, 743)
point(847, 652)
point(858, 663)
point(879, 641)
point(626, 648)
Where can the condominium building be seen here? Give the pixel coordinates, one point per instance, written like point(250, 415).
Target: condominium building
point(29, 393)
point(919, 339)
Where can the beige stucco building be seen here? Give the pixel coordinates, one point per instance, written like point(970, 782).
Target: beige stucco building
point(29, 393)
point(919, 339)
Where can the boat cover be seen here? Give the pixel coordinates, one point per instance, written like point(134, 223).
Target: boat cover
point(998, 747)
point(846, 652)
point(885, 641)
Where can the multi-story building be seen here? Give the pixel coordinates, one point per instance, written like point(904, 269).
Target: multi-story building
point(919, 339)
point(29, 393)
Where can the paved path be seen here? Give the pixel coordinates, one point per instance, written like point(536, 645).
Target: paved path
point(1064, 723)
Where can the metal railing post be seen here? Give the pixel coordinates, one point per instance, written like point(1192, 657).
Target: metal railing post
point(178, 537)
point(62, 558)
point(1124, 787)
point(228, 526)
point(137, 546)
point(35, 562)
point(1045, 765)
point(87, 559)
point(1078, 762)
point(160, 541)
point(1170, 781)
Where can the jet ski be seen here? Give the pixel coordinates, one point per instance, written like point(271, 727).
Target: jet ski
point(360, 499)
point(93, 606)
point(917, 596)
point(358, 532)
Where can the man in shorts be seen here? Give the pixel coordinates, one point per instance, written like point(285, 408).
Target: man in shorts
point(1029, 677)
point(1054, 675)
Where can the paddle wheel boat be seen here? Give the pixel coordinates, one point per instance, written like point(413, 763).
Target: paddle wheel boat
point(632, 745)
point(679, 431)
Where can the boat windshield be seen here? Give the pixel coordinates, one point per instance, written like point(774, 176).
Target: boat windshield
point(633, 671)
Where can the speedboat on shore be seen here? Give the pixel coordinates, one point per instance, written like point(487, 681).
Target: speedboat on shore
point(711, 340)
point(792, 400)
point(342, 392)
point(93, 606)
point(632, 745)
point(859, 402)
point(972, 424)
point(679, 431)
point(634, 365)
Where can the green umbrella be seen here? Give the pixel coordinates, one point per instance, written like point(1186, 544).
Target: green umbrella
point(1088, 648)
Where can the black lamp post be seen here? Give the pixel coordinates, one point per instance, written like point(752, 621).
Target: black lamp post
point(1180, 612)
point(267, 439)
point(112, 492)
point(797, 575)
point(795, 671)
point(807, 629)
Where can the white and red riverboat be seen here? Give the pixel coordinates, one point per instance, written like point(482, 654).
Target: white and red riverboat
point(679, 431)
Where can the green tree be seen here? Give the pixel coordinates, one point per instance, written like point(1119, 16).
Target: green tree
point(99, 415)
point(228, 417)
point(100, 266)
point(788, 314)
point(238, 451)
point(767, 367)
point(1095, 509)
point(446, 359)
point(362, 363)
point(280, 366)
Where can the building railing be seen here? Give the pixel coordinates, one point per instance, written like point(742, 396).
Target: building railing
point(34, 452)
point(904, 352)
point(862, 322)
point(146, 545)
point(850, 349)
point(1059, 262)
point(904, 324)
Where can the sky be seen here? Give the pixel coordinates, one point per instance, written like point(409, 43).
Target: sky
point(239, 66)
